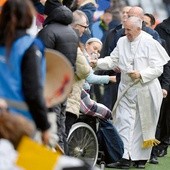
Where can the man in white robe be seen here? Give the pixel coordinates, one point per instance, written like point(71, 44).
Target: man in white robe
point(140, 59)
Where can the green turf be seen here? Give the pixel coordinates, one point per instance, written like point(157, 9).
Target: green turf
point(164, 164)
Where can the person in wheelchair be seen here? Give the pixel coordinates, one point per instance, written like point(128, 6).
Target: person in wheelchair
point(108, 138)
point(82, 141)
point(83, 70)
point(110, 143)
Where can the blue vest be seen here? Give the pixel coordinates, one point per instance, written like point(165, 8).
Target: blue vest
point(10, 73)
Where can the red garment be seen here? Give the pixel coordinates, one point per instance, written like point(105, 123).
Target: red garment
point(39, 19)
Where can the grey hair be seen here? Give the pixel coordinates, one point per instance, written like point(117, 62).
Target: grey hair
point(77, 17)
point(136, 21)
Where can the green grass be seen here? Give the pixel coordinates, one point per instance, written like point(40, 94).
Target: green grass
point(164, 164)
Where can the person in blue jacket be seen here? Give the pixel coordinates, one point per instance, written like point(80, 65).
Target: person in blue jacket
point(22, 65)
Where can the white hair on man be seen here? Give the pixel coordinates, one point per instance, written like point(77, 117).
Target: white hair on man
point(80, 21)
point(77, 17)
point(136, 21)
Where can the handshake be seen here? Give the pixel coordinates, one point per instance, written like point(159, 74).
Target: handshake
point(93, 62)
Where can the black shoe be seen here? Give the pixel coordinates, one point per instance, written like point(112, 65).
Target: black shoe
point(140, 164)
point(122, 164)
point(153, 160)
point(168, 141)
point(162, 153)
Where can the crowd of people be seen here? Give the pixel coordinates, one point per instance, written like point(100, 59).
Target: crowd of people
point(121, 75)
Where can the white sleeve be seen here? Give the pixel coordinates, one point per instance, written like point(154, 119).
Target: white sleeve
point(109, 62)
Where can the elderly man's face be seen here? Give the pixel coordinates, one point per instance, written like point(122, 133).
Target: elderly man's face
point(131, 31)
point(124, 13)
point(81, 27)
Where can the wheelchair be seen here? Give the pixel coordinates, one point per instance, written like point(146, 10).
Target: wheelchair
point(95, 141)
point(82, 140)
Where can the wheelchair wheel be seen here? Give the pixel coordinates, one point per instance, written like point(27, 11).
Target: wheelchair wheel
point(83, 143)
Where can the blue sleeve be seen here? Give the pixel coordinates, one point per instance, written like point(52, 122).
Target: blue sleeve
point(157, 37)
point(97, 79)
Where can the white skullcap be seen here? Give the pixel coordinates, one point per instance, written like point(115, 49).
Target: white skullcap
point(93, 40)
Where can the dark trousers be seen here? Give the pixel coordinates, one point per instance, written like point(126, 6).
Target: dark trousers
point(110, 93)
point(61, 116)
point(95, 93)
point(163, 127)
point(164, 120)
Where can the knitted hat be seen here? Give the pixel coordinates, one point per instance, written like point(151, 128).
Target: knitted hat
point(50, 5)
point(93, 40)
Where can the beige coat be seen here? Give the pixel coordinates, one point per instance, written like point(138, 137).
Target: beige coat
point(82, 71)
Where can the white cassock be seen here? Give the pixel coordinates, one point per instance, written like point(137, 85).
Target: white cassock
point(138, 110)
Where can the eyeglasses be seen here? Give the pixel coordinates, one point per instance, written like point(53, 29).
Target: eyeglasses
point(83, 26)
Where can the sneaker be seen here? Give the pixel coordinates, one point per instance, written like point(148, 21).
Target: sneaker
point(140, 164)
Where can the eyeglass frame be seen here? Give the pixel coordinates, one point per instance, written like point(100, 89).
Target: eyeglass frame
point(85, 27)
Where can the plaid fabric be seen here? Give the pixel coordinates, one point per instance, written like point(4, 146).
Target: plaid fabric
point(92, 108)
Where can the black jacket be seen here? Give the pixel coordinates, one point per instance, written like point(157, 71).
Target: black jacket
point(57, 34)
point(164, 31)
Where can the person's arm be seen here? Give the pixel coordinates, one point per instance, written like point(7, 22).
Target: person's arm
point(109, 62)
point(97, 79)
point(33, 88)
point(165, 79)
point(100, 79)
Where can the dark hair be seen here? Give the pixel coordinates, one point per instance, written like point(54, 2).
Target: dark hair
point(50, 5)
point(15, 14)
point(151, 17)
point(108, 10)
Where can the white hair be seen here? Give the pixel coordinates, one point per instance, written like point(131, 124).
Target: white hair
point(77, 17)
point(136, 21)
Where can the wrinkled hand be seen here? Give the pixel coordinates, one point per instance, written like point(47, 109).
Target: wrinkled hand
point(134, 75)
point(45, 137)
point(112, 79)
point(165, 93)
point(117, 69)
point(93, 63)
